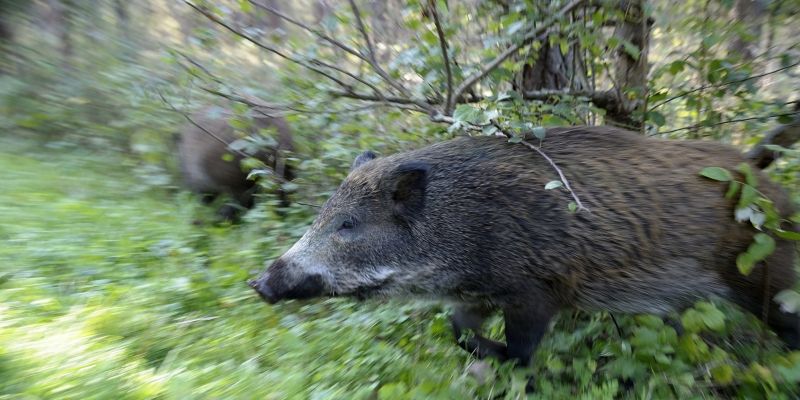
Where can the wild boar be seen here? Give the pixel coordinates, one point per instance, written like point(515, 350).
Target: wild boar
point(210, 168)
point(469, 220)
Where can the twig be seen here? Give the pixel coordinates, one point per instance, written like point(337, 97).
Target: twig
point(697, 89)
point(449, 120)
point(201, 67)
point(730, 121)
point(511, 50)
point(311, 64)
point(448, 108)
point(389, 99)
point(253, 102)
point(373, 62)
point(286, 108)
point(263, 46)
point(202, 128)
point(316, 32)
point(553, 164)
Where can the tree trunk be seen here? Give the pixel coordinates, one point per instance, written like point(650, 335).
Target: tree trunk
point(6, 38)
point(550, 69)
point(553, 70)
point(748, 13)
point(630, 69)
point(61, 24)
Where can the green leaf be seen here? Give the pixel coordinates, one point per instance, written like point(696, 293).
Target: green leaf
point(572, 207)
point(516, 26)
point(712, 317)
point(788, 235)
point(733, 188)
point(563, 45)
point(553, 185)
point(763, 246)
point(515, 139)
point(748, 196)
point(717, 174)
point(539, 132)
point(789, 300)
point(631, 49)
point(676, 67)
point(692, 320)
point(489, 130)
point(657, 118)
point(467, 113)
point(745, 263)
point(722, 374)
point(749, 175)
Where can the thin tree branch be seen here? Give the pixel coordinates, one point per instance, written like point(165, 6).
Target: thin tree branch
point(283, 109)
point(449, 120)
point(202, 128)
point(316, 32)
point(311, 64)
point(390, 99)
point(448, 108)
point(201, 67)
point(535, 34)
point(538, 149)
point(704, 87)
point(263, 46)
point(373, 62)
point(730, 121)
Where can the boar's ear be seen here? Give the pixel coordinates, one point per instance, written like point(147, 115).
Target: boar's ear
point(362, 158)
point(409, 181)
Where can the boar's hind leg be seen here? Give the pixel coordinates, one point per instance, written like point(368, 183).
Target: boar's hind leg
point(525, 327)
point(471, 317)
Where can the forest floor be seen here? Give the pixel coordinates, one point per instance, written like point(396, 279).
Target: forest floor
point(110, 290)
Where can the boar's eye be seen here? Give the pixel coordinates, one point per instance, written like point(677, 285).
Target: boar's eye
point(347, 225)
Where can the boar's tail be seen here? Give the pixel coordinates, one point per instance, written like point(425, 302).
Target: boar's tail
point(784, 135)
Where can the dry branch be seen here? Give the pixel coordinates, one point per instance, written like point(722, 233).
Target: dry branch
point(373, 62)
point(316, 32)
point(449, 120)
point(202, 128)
point(448, 108)
point(538, 149)
point(730, 121)
point(697, 89)
point(263, 46)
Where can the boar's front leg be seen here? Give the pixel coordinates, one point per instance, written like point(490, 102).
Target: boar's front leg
point(471, 317)
point(525, 326)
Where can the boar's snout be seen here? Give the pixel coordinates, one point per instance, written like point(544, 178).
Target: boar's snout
point(274, 286)
point(262, 288)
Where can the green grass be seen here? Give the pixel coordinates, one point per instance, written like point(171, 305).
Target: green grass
point(108, 290)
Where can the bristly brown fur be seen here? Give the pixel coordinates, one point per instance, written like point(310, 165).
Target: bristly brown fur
point(657, 236)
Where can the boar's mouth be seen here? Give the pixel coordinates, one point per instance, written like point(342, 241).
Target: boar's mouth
point(366, 292)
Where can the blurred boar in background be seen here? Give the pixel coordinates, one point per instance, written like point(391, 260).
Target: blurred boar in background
point(470, 220)
point(210, 167)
